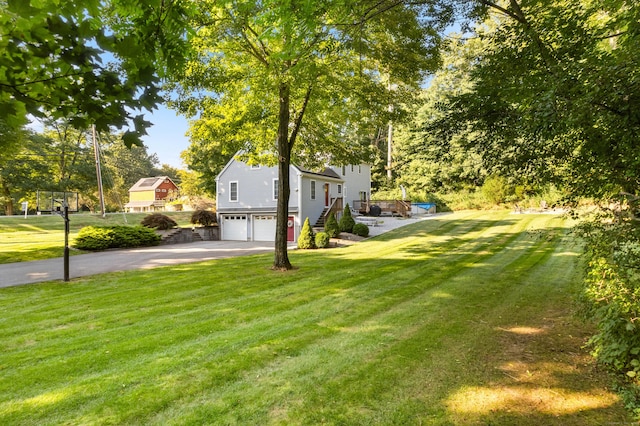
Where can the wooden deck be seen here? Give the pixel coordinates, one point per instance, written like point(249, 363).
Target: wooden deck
point(387, 207)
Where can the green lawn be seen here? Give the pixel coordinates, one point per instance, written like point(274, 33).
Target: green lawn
point(462, 319)
point(42, 237)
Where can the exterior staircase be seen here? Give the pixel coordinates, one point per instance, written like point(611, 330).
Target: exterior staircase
point(320, 221)
point(195, 237)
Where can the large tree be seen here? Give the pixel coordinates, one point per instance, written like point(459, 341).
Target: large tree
point(426, 161)
point(23, 166)
point(556, 92)
point(91, 61)
point(300, 79)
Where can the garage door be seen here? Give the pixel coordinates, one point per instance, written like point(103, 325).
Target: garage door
point(234, 227)
point(264, 228)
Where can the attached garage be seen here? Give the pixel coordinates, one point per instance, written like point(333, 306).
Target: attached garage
point(234, 227)
point(264, 228)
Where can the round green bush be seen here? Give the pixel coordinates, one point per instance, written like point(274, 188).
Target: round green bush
point(158, 221)
point(306, 240)
point(204, 218)
point(361, 229)
point(331, 226)
point(346, 221)
point(322, 240)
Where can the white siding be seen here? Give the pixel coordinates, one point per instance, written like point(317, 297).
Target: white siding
point(255, 187)
point(357, 178)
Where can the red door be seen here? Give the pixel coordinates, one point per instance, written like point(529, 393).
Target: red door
point(326, 195)
point(291, 229)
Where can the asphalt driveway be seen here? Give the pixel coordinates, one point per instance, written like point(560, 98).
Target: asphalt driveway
point(81, 265)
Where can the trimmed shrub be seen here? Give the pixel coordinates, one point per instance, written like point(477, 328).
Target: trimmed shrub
point(322, 240)
point(346, 221)
point(331, 226)
point(496, 189)
point(158, 221)
point(95, 238)
point(306, 240)
point(361, 229)
point(204, 218)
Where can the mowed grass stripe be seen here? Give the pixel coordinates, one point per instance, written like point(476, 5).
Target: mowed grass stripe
point(233, 342)
point(377, 358)
point(177, 337)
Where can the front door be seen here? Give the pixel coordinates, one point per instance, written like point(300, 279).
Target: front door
point(291, 230)
point(326, 195)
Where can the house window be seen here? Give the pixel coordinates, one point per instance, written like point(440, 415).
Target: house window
point(255, 166)
point(359, 169)
point(352, 168)
point(233, 191)
point(313, 189)
point(344, 170)
point(363, 196)
point(339, 189)
point(275, 189)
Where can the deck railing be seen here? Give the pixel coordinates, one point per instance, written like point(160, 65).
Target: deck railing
point(336, 207)
point(393, 207)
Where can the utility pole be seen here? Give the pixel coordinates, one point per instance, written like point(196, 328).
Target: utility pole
point(390, 137)
point(96, 151)
point(389, 150)
point(66, 240)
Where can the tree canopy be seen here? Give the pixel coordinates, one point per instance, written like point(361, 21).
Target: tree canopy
point(555, 93)
point(93, 62)
point(267, 74)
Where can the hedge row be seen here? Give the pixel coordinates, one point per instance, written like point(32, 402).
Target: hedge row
point(96, 238)
point(611, 296)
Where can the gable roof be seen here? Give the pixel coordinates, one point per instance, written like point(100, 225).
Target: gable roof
point(327, 173)
point(150, 183)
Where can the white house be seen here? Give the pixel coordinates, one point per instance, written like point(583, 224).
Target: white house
point(247, 196)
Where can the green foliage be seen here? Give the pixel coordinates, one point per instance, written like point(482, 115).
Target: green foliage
point(96, 238)
point(346, 221)
point(52, 57)
point(204, 218)
point(158, 221)
point(322, 240)
point(496, 189)
point(331, 226)
point(361, 229)
point(555, 95)
point(306, 240)
point(611, 296)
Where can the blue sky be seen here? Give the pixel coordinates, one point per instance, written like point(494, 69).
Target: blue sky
point(166, 137)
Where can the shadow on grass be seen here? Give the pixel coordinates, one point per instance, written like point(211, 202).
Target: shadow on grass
point(538, 375)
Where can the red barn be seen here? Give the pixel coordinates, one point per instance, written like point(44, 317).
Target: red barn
point(151, 194)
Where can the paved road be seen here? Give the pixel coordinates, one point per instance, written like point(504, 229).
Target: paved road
point(122, 260)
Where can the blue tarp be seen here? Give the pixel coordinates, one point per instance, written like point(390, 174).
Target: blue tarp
point(425, 206)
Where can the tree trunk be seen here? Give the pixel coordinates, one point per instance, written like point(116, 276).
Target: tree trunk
point(8, 206)
point(281, 260)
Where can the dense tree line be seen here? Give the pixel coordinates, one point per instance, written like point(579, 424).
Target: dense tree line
point(60, 158)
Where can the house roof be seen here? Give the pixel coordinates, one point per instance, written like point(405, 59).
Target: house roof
point(150, 183)
point(327, 172)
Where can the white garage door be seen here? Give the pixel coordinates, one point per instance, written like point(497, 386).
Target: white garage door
point(264, 228)
point(234, 227)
